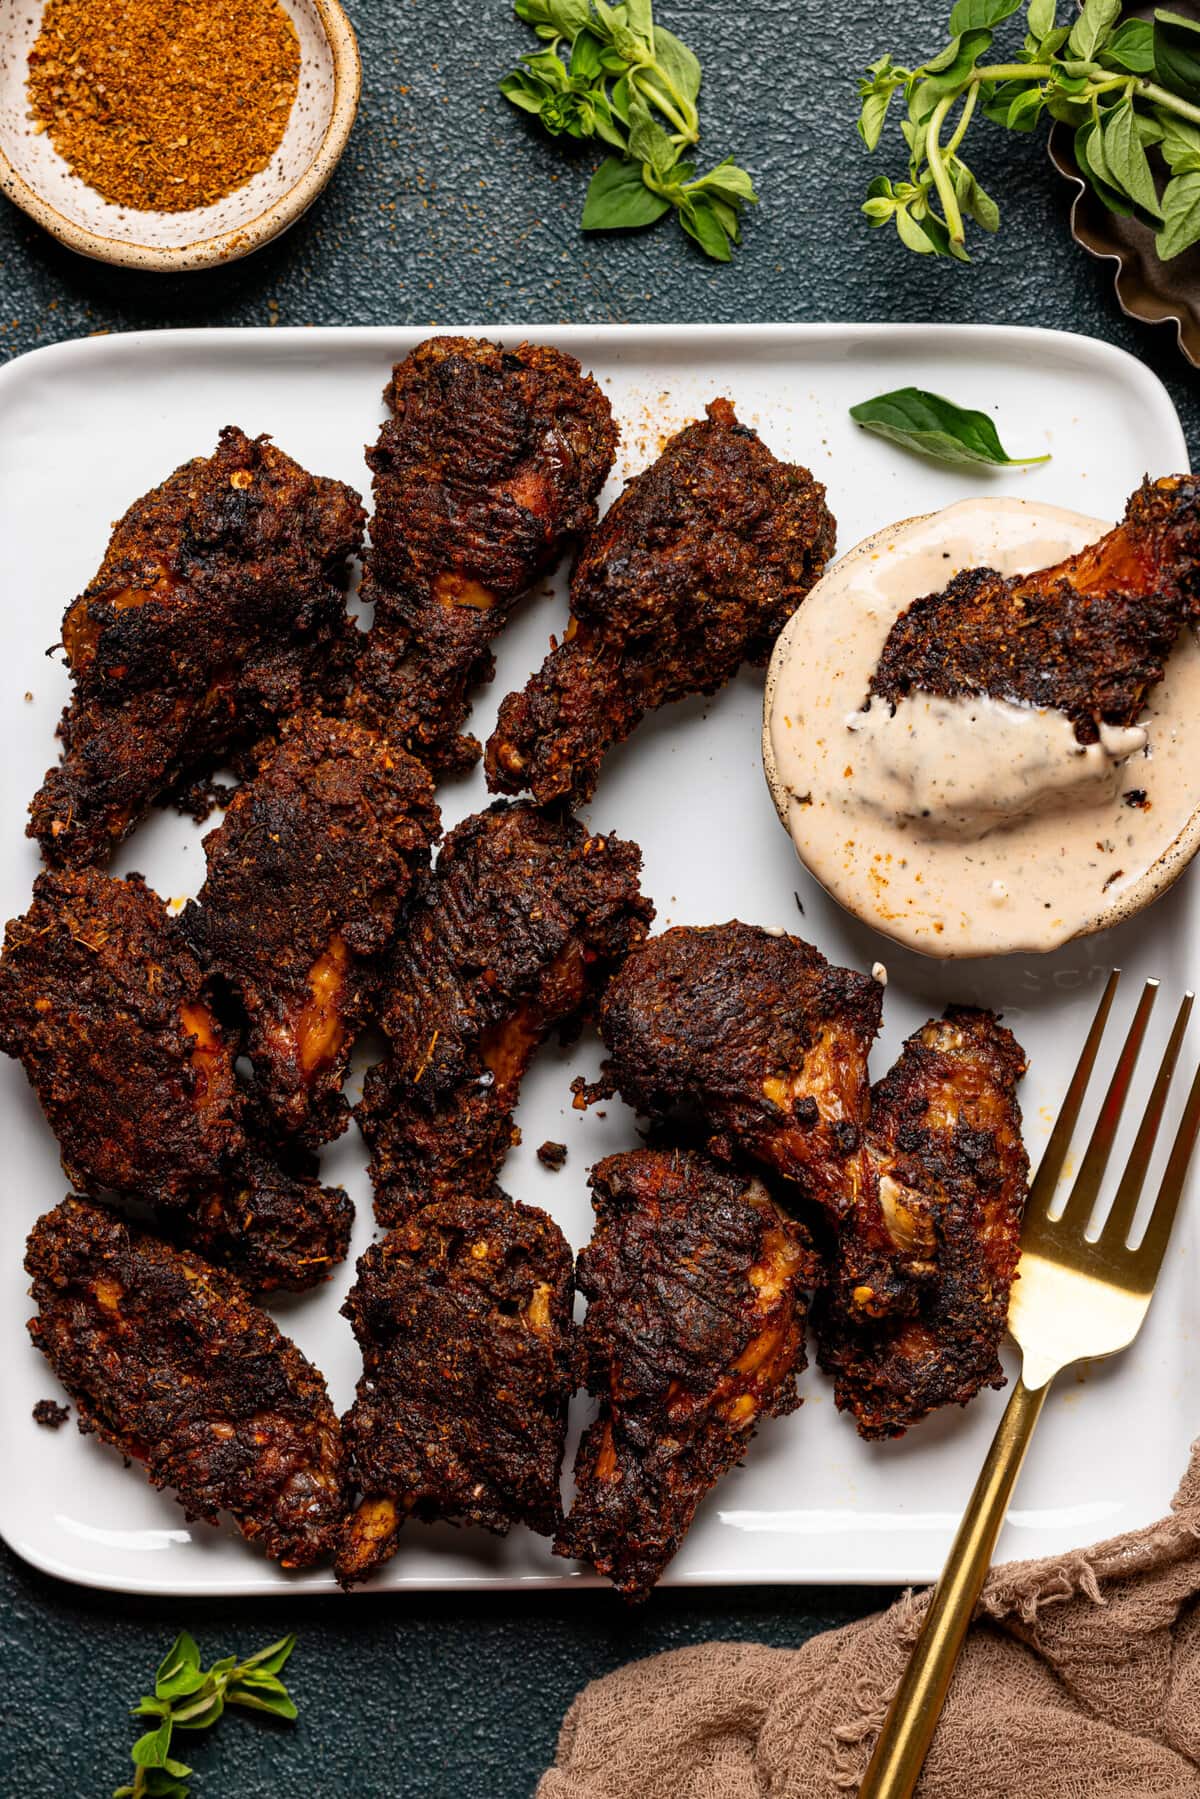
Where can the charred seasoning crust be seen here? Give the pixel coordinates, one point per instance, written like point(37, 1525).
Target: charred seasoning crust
point(756, 1035)
point(101, 1000)
point(695, 1330)
point(470, 1358)
point(513, 936)
point(167, 1360)
point(1088, 637)
point(695, 569)
point(218, 611)
point(917, 1298)
point(486, 472)
point(278, 1229)
point(306, 879)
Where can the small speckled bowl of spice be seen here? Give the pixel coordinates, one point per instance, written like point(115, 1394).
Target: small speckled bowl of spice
point(173, 134)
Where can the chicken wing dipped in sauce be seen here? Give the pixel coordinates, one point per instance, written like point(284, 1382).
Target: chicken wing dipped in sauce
point(917, 1298)
point(470, 1358)
point(755, 1035)
point(513, 936)
point(217, 612)
point(486, 471)
point(307, 876)
point(1089, 636)
point(104, 1004)
point(694, 570)
point(695, 1331)
point(166, 1359)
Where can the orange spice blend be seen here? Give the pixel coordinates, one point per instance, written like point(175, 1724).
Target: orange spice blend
point(164, 105)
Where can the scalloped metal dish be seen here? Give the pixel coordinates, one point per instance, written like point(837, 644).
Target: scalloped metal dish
point(1156, 293)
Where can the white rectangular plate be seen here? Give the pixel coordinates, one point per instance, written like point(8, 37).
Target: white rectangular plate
point(88, 426)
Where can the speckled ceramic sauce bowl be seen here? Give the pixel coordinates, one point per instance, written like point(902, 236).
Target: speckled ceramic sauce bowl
point(35, 177)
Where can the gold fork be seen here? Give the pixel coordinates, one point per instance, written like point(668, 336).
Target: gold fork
point(1075, 1299)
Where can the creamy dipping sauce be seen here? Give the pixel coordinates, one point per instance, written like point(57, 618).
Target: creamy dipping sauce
point(968, 826)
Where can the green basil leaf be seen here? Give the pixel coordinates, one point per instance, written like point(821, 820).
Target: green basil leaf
point(934, 426)
point(949, 70)
point(1125, 159)
point(251, 1699)
point(1131, 47)
point(731, 183)
point(619, 99)
point(999, 97)
point(975, 15)
point(701, 223)
point(271, 1659)
point(1179, 144)
point(522, 92)
point(586, 63)
point(1025, 110)
point(1177, 54)
point(648, 142)
point(1052, 43)
point(619, 200)
point(548, 67)
point(913, 235)
point(151, 1750)
point(677, 63)
point(569, 16)
point(1093, 27)
point(1181, 215)
point(873, 117)
point(1148, 128)
point(1089, 154)
point(201, 1711)
point(639, 20)
point(607, 127)
point(973, 201)
point(1040, 17)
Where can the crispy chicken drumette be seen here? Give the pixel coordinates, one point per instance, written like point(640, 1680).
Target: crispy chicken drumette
point(922, 1264)
point(694, 570)
point(695, 1331)
point(104, 1004)
point(218, 611)
point(1088, 636)
point(306, 878)
point(487, 470)
point(758, 1037)
point(514, 934)
point(167, 1360)
point(463, 1315)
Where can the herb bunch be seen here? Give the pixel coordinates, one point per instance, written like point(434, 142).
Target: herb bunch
point(610, 72)
point(188, 1697)
point(1130, 89)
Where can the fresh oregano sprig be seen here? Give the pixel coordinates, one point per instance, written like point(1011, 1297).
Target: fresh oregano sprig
point(189, 1697)
point(1130, 89)
point(612, 73)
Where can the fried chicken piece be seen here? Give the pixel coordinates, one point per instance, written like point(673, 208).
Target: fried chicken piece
point(166, 1359)
point(487, 470)
point(917, 1299)
point(694, 570)
point(470, 1358)
point(103, 1002)
point(307, 876)
point(277, 1228)
point(757, 1036)
point(218, 611)
point(1089, 636)
point(695, 1331)
point(514, 935)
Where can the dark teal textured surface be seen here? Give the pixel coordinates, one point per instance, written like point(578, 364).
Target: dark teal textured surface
point(448, 209)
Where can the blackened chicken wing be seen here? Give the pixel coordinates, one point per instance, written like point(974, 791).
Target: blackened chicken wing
point(695, 1330)
point(166, 1359)
point(917, 1299)
point(104, 1004)
point(306, 879)
point(694, 570)
point(463, 1315)
point(487, 470)
point(217, 612)
point(1089, 636)
point(516, 931)
point(755, 1036)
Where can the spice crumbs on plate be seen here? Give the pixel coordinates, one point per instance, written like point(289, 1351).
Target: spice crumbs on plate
point(164, 105)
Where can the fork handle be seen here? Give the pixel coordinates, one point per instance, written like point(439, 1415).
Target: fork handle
point(913, 1714)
